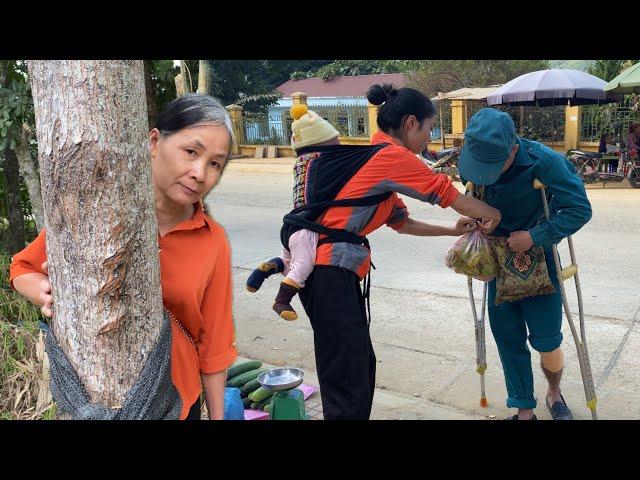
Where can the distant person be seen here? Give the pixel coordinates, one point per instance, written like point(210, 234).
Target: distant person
point(608, 147)
point(633, 139)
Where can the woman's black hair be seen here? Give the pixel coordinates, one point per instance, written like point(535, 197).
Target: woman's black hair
point(397, 104)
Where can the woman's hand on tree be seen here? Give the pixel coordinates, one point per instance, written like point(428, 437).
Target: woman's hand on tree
point(45, 294)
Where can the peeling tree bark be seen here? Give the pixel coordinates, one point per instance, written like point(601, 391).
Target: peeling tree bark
point(91, 120)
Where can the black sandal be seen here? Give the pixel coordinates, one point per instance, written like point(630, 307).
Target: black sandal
point(515, 417)
point(559, 410)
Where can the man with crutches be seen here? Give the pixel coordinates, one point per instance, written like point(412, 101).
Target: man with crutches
point(507, 165)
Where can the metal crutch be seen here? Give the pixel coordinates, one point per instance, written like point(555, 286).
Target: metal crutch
point(580, 340)
point(479, 325)
point(481, 350)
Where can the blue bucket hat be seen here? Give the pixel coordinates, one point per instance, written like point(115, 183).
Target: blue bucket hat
point(488, 141)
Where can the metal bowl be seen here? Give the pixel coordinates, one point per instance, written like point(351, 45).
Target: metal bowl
point(281, 378)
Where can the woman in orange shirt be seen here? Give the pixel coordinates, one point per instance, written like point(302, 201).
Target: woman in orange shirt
point(189, 148)
point(332, 297)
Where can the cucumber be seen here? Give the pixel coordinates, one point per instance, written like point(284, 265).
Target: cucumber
point(246, 402)
point(260, 405)
point(243, 378)
point(240, 368)
point(260, 394)
point(250, 387)
point(267, 408)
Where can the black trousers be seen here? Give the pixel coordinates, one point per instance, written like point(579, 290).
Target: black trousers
point(345, 360)
point(194, 411)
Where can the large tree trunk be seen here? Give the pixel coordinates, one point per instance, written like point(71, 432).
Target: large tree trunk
point(29, 171)
point(102, 244)
point(15, 237)
point(152, 104)
point(204, 77)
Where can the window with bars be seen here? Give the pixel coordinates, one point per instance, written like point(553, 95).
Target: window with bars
point(350, 119)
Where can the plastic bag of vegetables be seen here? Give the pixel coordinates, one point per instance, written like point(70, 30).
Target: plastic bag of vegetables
point(471, 255)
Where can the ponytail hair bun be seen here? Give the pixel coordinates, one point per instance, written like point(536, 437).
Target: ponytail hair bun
point(378, 94)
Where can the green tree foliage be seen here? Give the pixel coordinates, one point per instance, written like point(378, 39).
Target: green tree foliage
point(582, 65)
point(16, 106)
point(433, 76)
point(607, 69)
point(279, 71)
point(340, 68)
point(163, 75)
point(249, 83)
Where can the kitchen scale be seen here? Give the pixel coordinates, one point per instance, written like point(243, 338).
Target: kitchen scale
point(287, 402)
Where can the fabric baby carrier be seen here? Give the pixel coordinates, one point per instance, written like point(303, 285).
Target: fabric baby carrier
point(320, 174)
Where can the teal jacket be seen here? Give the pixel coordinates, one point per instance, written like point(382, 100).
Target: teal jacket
point(521, 205)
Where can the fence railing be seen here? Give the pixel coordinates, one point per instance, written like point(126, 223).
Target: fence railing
point(596, 120)
point(350, 119)
point(473, 106)
point(274, 128)
point(265, 129)
point(442, 124)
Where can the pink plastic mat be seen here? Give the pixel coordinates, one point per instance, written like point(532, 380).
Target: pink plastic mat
point(250, 414)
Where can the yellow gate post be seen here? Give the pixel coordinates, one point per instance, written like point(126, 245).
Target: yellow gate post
point(235, 112)
point(571, 127)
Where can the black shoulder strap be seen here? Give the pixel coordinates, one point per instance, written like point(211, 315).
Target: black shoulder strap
point(334, 234)
point(296, 220)
point(345, 202)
